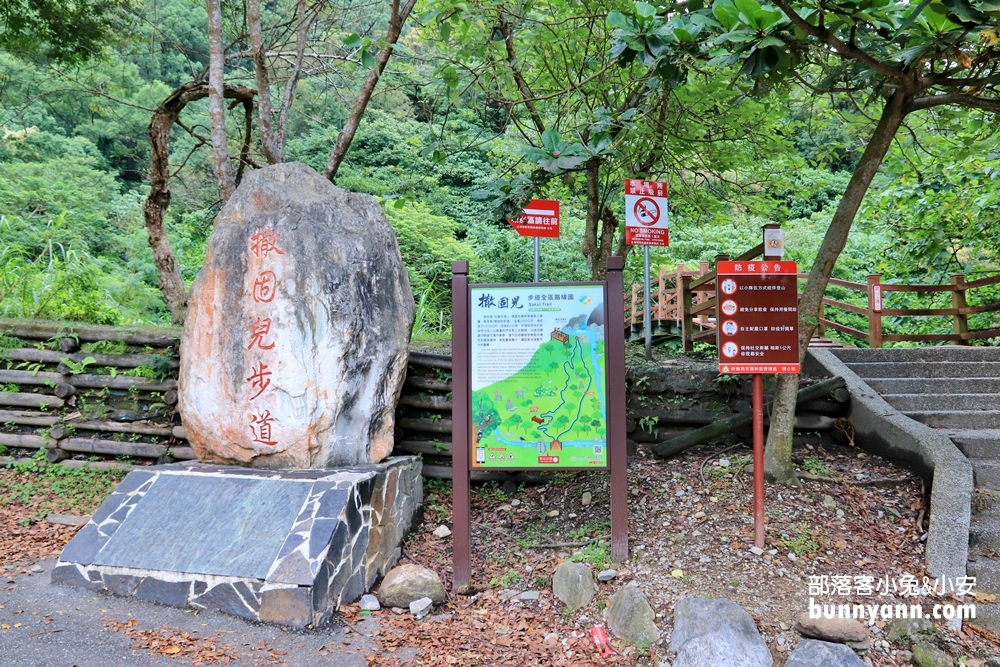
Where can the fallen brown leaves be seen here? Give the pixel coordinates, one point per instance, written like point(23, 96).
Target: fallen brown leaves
point(485, 632)
point(209, 650)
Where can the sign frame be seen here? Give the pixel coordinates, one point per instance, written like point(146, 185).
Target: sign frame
point(472, 440)
point(616, 438)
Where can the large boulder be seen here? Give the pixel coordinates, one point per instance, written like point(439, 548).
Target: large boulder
point(294, 346)
point(716, 632)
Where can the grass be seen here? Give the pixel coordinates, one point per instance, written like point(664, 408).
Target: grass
point(595, 553)
point(816, 466)
point(55, 489)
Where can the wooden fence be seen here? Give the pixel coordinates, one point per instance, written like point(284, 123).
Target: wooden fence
point(683, 302)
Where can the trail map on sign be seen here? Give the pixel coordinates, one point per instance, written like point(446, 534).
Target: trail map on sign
point(538, 377)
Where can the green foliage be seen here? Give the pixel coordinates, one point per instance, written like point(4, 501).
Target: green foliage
point(67, 32)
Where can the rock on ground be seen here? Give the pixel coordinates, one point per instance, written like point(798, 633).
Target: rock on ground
point(369, 603)
point(630, 617)
point(407, 583)
point(573, 583)
point(929, 655)
point(910, 631)
point(840, 630)
point(716, 632)
point(294, 346)
point(421, 607)
point(814, 653)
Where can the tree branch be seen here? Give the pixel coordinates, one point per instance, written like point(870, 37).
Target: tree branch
point(959, 99)
point(346, 136)
point(847, 51)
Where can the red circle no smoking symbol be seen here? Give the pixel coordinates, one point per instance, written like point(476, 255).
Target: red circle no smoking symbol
point(647, 212)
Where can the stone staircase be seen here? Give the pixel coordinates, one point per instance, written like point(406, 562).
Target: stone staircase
point(955, 390)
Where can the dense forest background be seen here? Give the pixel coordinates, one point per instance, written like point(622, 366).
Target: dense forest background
point(436, 145)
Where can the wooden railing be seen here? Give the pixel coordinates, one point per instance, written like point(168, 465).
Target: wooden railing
point(875, 291)
point(686, 301)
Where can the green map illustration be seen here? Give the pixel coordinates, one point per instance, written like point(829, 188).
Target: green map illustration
point(551, 413)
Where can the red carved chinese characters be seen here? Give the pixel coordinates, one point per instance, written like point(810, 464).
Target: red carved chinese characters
point(260, 428)
point(258, 330)
point(259, 379)
point(264, 287)
point(265, 241)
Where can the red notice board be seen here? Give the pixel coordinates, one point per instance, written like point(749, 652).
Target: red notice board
point(758, 317)
point(539, 218)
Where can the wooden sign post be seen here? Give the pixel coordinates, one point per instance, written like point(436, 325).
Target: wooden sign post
point(538, 382)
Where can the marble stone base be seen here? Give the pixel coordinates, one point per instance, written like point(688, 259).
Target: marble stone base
point(283, 547)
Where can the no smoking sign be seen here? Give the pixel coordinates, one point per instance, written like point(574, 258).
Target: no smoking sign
point(646, 213)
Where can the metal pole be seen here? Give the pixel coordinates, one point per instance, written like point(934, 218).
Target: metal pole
point(758, 460)
point(648, 315)
point(538, 254)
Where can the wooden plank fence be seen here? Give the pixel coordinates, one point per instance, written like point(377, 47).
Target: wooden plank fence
point(683, 302)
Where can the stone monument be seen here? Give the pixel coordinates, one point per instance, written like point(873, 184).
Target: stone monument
point(294, 346)
point(292, 358)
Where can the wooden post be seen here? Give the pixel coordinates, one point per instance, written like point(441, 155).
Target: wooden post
point(679, 297)
point(820, 327)
point(635, 306)
point(958, 301)
point(460, 431)
point(661, 289)
point(617, 444)
point(874, 310)
point(687, 320)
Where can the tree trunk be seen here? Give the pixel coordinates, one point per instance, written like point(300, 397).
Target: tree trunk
point(346, 136)
point(154, 211)
point(216, 105)
point(272, 151)
point(589, 248)
point(778, 453)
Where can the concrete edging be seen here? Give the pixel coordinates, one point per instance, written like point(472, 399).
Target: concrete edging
point(887, 432)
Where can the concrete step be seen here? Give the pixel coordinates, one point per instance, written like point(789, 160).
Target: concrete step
point(954, 419)
point(981, 444)
point(987, 573)
point(941, 353)
point(986, 474)
point(926, 369)
point(903, 402)
point(987, 615)
point(902, 385)
point(984, 529)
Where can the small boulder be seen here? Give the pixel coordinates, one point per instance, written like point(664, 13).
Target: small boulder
point(840, 630)
point(410, 582)
point(630, 617)
point(606, 575)
point(910, 631)
point(442, 531)
point(573, 583)
point(369, 603)
point(814, 653)
point(421, 607)
point(929, 655)
point(716, 632)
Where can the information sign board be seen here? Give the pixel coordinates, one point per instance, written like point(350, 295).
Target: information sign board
point(758, 317)
point(646, 215)
point(539, 218)
point(538, 376)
